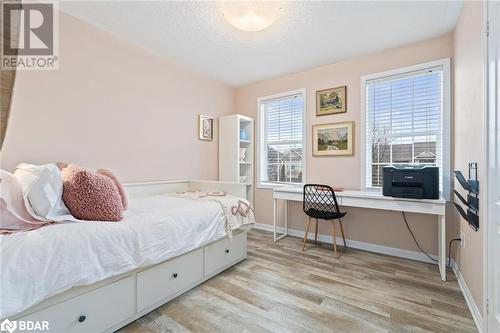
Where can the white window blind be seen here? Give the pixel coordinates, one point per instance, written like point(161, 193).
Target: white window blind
point(404, 122)
point(281, 149)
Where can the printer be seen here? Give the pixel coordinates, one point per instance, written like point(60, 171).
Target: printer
point(411, 181)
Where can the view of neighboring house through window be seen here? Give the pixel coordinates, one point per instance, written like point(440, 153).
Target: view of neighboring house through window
point(403, 121)
point(281, 150)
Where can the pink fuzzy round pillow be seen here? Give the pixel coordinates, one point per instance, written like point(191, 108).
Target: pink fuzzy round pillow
point(90, 196)
point(121, 190)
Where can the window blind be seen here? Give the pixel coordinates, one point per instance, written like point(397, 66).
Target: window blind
point(404, 122)
point(280, 140)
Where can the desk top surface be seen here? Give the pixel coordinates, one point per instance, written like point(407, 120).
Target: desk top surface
point(357, 194)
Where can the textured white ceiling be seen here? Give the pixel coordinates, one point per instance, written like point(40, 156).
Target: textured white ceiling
point(307, 34)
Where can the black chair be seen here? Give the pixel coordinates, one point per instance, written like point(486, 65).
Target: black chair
point(320, 203)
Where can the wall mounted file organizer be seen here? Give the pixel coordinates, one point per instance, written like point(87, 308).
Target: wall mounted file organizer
point(471, 185)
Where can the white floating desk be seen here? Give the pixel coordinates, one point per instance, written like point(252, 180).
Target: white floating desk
point(373, 200)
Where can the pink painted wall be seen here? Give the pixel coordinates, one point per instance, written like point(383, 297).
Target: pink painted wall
point(468, 136)
point(114, 105)
point(379, 227)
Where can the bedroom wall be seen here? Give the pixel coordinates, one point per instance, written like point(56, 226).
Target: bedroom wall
point(112, 104)
point(372, 226)
point(468, 137)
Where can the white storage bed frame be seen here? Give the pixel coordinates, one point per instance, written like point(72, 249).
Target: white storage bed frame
point(110, 304)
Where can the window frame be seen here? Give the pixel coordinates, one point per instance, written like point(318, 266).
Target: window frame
point(445, 126)
point(272, 185)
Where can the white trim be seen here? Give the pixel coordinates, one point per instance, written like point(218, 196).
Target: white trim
point(445, 122)
point(474, 310)
point(158, 182)
point(276, 185)
point(491, 125)
point(362, 135)
point(302, 91)
point(407, 69)
point(391, 251)
point(141, 189)
point(485, 191)
point(446, 128)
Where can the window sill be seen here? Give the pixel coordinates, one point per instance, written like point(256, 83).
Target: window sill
point(274, 186)
point(373, 189)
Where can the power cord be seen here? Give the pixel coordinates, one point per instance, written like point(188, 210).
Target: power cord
point(449, 250)
point(420, 248)
point(415, 239)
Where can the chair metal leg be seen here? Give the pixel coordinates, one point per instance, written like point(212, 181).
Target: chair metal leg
point(316, 233)
point(305, 235)
point(334, 239)
point(342, 231)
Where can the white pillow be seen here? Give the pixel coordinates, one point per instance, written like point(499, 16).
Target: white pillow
point(13, 214)
point(42, 191)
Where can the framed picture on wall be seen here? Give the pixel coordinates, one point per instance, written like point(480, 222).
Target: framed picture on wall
point(205, 127)
point(331, 101)
point(334, 139)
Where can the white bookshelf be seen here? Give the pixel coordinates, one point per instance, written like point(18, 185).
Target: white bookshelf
point(231, 168)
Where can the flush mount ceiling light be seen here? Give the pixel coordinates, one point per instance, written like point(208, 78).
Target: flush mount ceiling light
point(251, 15)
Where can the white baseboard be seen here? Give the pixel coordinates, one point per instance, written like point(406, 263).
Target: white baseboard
point(392, 251)
point(474, 310)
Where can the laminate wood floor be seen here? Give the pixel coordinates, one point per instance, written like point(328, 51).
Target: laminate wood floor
point(279, 288)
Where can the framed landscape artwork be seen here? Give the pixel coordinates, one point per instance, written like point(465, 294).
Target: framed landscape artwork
point(331, 101)
point(334, 139)
point(205, 127)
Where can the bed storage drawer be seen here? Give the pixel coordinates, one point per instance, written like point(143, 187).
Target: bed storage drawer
point(163, 281)
point(95, 311)
point(225, 252)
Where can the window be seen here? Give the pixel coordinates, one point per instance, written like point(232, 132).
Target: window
point(281, 132)
point(406, 120)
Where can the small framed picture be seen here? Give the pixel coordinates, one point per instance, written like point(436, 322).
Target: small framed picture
point(205, 127)
point(334, 139)
point(331, 101)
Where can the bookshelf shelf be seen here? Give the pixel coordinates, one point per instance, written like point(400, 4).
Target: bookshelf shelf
point(236, 137)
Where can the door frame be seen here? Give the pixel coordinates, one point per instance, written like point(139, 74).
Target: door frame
point(492, 168)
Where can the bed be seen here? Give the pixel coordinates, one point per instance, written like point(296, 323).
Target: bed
point(74, 274)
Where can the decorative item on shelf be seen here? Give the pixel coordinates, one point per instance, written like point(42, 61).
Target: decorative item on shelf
point(331, 101)
point(334, 139)
point(243, 134)
point(205, 127)
point(471, 185)
point(243, 152)
point(243, 179)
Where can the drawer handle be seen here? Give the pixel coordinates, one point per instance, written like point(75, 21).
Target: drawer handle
point(82, 318)
point(227, 250)
point(174, 275)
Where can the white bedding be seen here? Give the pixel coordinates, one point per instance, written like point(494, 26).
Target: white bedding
point(41, 263)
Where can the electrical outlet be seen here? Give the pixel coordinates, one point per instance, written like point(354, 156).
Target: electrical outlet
point(462, 239)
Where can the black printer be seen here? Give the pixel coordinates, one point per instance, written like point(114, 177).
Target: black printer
point(414, 181)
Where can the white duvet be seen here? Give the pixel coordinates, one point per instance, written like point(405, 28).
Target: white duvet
point(41, 263)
